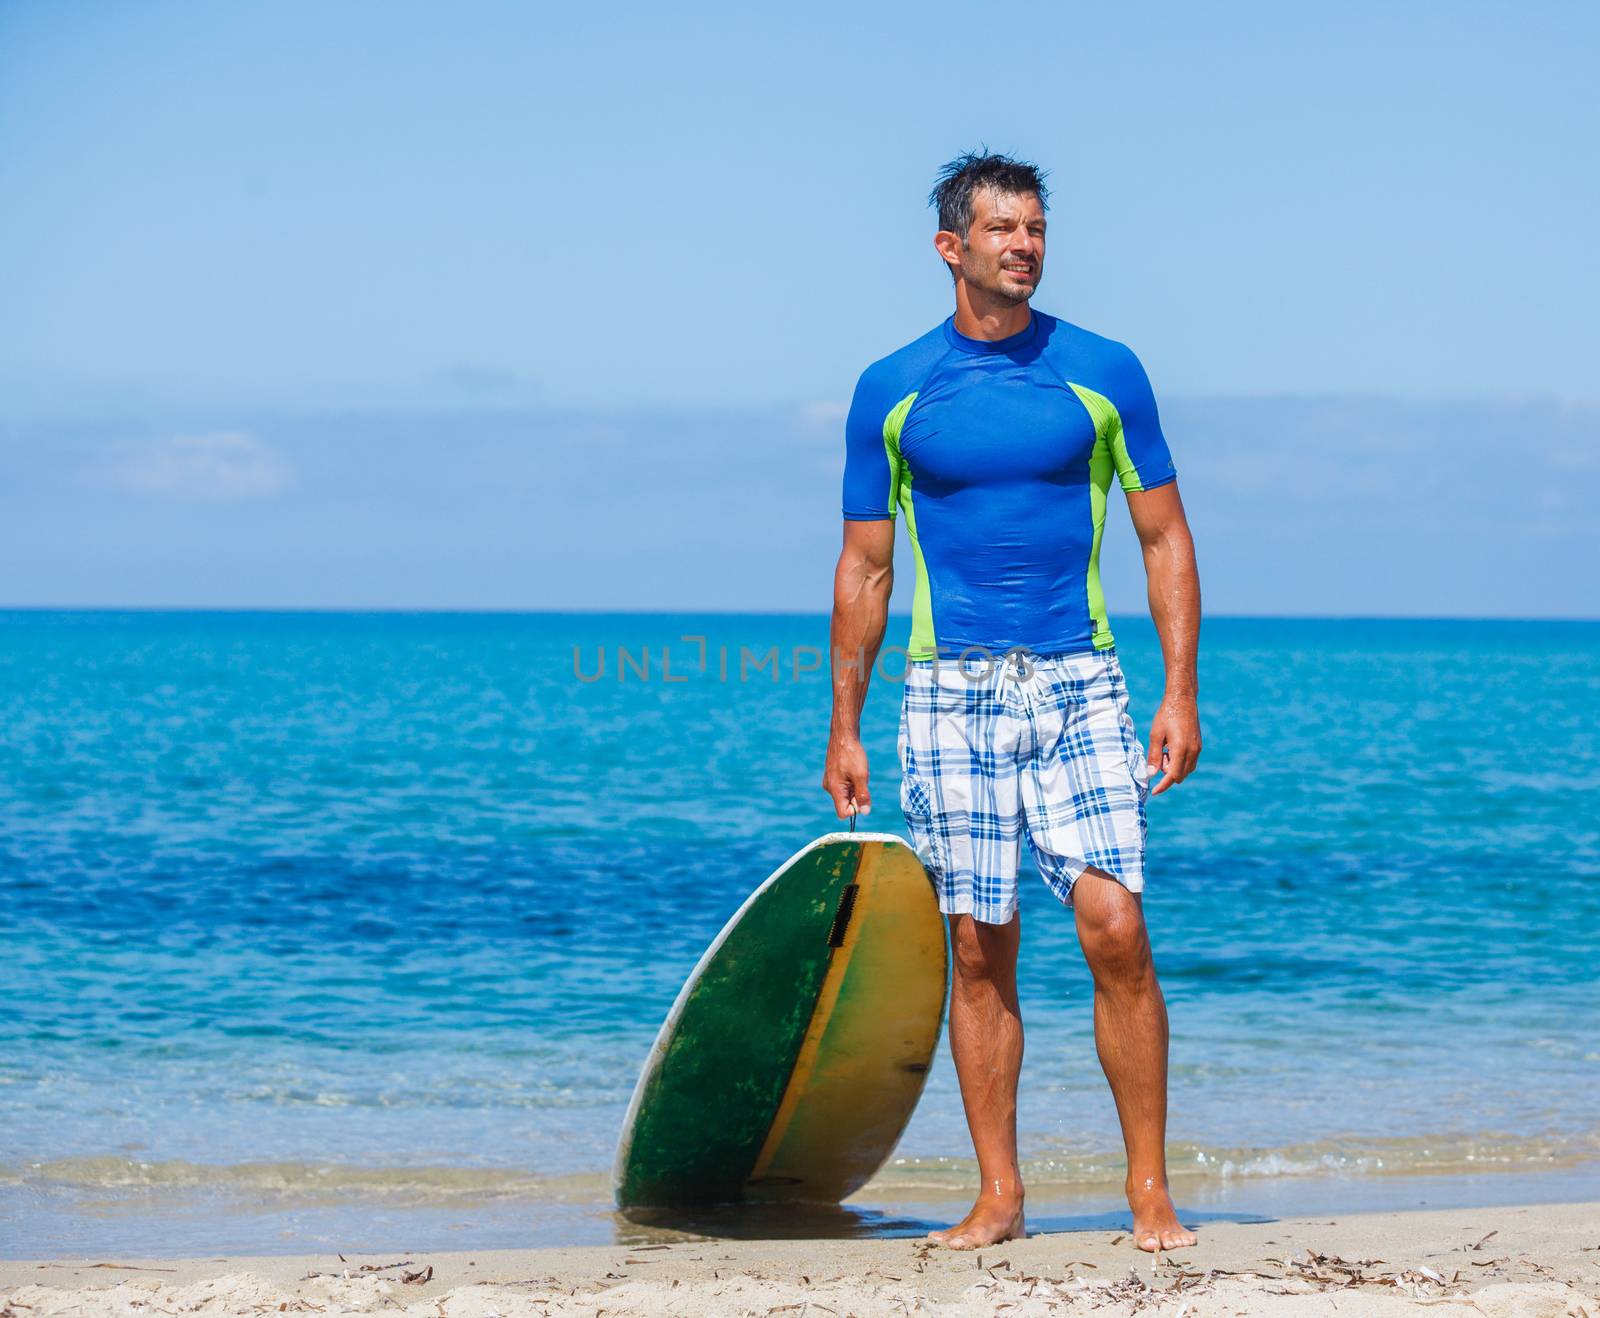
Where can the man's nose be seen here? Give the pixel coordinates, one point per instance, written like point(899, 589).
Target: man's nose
point(1023, 243)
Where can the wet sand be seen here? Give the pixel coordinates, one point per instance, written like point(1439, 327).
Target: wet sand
point(1539, 1261)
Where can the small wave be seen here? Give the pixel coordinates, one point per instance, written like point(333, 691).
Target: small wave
point(308, 1180)
point(1433, 1155)
point(904, 1178)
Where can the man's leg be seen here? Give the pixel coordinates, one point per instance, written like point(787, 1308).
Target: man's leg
point(986, 1041)
point(1130, 1034)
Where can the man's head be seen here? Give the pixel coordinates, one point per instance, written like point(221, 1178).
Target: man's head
point(991, 224)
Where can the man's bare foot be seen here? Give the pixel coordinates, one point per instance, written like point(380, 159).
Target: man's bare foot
point(1155, 1220)
point(989, 1222)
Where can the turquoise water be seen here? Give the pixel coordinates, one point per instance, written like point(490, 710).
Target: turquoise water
point(354, 929)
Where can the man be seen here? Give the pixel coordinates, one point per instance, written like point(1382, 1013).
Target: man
point(997, 435)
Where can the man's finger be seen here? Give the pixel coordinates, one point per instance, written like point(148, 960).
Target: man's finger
point(1178, 758)
point(1177, 766)
point(848, 801)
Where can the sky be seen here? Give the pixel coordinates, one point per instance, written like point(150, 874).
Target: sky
point(264, 263)
point(1302, 506)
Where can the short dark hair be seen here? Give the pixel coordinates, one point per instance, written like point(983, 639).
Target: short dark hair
point(976, 170)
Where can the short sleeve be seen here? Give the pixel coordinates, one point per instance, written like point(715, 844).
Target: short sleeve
point(1140, 450)
point(869, 475)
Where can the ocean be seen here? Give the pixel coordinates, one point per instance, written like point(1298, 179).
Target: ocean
point(345, 930)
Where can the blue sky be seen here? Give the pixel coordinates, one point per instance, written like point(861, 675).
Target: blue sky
point(381, 203)
point(302, 223)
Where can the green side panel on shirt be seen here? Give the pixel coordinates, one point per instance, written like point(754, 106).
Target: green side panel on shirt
point(1103, 459)
point(922, 644)
point(891, 446)
point(1127, 473)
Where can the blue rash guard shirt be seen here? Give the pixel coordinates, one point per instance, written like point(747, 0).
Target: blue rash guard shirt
point(1000, 453)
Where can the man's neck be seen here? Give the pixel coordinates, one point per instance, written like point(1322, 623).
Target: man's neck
point(980, 316)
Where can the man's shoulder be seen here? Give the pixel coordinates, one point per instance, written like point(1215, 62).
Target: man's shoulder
point(891, 378)
point(1109, 368)
point(1084, 349)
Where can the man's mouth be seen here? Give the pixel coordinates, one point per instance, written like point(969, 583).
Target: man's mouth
point(1018, 269)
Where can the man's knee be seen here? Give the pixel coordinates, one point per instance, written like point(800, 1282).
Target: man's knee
point(983, 951)
point(1111, 930)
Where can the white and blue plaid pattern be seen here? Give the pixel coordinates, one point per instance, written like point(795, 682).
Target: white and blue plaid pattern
point(993, 748)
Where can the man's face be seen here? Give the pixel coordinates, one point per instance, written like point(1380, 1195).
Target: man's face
point(1003, 252)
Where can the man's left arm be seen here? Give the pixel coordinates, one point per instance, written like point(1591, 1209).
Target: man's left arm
point(1175, 606)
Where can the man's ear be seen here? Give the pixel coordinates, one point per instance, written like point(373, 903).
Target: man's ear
point(948, 245)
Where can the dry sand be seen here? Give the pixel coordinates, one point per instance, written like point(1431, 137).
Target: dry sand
point(1541, 1262)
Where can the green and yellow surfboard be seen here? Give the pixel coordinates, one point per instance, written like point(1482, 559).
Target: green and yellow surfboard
point(794, 1055)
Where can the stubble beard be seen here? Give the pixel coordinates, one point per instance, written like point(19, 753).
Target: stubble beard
point(1014, 294)
point(997, 285)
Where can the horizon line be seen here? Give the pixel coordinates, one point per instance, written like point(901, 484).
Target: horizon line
point(137, 410)
point(493, 611)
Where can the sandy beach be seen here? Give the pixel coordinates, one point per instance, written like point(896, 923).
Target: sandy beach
point(1539, 1262)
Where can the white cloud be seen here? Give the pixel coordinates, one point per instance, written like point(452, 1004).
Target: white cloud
point(825, 413)
point(225, 466)
point(482, 381)
point(819, 423)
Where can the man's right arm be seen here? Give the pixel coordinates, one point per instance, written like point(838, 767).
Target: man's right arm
point(861, 585)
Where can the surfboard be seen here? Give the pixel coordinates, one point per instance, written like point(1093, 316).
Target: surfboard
point(797, 1049)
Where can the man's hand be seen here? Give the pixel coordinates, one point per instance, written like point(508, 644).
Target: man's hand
point(1174, 741)
point(844, 778)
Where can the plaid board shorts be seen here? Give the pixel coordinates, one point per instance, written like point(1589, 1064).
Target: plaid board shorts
point(991, 748)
